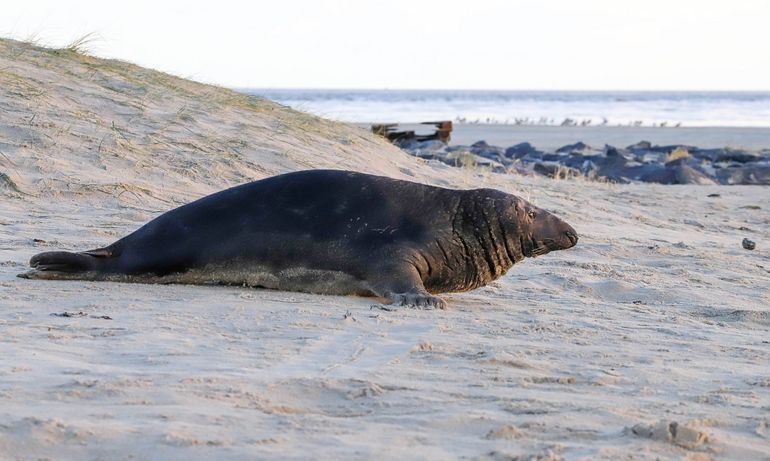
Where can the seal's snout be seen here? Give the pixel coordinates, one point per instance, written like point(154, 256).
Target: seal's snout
point(572, 236)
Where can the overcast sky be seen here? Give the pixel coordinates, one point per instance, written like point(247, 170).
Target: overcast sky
point(477, 44)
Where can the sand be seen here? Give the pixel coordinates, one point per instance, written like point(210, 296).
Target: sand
point(649, 340)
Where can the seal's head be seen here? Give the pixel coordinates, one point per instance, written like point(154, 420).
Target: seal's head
point(540, 231)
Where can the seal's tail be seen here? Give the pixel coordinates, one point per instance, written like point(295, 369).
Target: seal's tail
point(65, 265)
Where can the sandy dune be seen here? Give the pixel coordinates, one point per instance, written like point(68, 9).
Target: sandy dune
point(649, 340)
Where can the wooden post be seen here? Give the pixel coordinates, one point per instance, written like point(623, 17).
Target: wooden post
point(391, 132)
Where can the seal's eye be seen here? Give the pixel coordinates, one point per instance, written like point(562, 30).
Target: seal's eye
point(532, 215)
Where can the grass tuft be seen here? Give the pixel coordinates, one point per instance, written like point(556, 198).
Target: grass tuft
point(82, 44)
point(7, 183)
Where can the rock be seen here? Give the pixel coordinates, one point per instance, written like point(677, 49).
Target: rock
point(641, 145)
point(673, 164)
point(554, 158)
point(428, 150)
point(748, 244)
point(521, 150)
point(652, 172)
point(424, 155)
point(470, 160)
point(533, 157)
point(485, 150)
point(432, 145)
point(645, 156)
point(407, 144)
point(556, 171)
point(490, 154)
point(612, 165)
point(428, 155)
point(616, 168)
point(672, 148)
point(577, 147)
point(746, 175)
point(688, 175)
point(739, 156)
point(589, 168)
point(726, 155)
point(706, 154)
point(676, 172)
point(574, 161)
point(672, 432)
point(584, 163)
point(546, 169)
point(685, 173)
point(611, 151)
point(517, 167)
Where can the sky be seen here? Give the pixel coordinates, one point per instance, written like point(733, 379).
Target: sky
point(422, 44)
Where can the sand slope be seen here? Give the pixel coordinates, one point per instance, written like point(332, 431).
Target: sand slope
point(658, 316)
point(90, 130)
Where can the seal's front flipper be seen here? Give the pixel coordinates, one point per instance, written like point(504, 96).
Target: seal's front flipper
point(424, 300)
point(401, 285)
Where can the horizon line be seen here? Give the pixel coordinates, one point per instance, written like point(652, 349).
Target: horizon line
point(311, 88)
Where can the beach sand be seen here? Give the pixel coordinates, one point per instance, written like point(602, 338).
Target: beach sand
point(649, 340)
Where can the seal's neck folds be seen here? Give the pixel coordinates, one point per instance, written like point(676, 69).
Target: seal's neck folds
point(490, 243)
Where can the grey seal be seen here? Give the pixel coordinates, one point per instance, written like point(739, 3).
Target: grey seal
point(328, 232)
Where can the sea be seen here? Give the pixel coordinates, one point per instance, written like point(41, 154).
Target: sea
point(576, 108)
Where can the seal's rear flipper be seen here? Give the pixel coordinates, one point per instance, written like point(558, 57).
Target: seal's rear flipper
point(64, 265)
point(63, 261)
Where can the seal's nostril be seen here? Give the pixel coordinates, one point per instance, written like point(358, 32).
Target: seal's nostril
point(572, 236)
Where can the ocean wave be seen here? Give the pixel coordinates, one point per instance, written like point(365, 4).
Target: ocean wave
point(587, 108)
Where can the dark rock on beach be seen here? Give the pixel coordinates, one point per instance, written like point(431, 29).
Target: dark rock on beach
point(522, 150)
point(726, 155)
point(483, 149)
point(748, 175)
point(579, 146)
point(553, 157)
point(678, 172)
point(556, 171)
point(640, 162)
point(748, 244)
point(584, 163)
point(641, 145)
